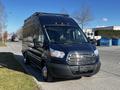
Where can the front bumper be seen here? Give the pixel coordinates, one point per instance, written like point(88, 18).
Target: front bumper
point(66, 71)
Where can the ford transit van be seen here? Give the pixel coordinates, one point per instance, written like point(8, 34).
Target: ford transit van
point(56, 44)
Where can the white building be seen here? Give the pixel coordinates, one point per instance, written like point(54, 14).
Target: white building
point(89, 33)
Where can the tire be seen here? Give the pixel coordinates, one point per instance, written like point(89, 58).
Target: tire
point(88, 75)
point(46, 75)
point(26, 60)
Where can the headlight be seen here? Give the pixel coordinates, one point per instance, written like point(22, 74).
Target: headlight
point(56, 53)
point(96, 52)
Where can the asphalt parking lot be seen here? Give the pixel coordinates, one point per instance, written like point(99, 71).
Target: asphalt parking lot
point(107, 79)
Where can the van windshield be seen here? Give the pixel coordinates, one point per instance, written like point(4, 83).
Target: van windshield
point(65, 34)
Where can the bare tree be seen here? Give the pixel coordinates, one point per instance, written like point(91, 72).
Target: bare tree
point(5, 36)
point(19, 33)
point(2, 19)
point(83, 16)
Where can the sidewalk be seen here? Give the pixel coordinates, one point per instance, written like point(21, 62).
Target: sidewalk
point(14, 47)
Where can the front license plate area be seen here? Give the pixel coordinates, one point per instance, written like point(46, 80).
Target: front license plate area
point(85, 68)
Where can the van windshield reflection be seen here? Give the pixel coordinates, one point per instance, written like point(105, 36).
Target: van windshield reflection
point(65, 34)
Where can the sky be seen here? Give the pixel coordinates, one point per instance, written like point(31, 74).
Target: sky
point(104, 12)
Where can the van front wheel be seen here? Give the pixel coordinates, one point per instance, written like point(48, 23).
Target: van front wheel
point(46, 75)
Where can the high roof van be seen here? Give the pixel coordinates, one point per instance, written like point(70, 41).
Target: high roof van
point(56, 44)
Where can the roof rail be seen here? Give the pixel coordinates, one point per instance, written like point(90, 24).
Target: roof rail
point(43, 14)
point(53, 14)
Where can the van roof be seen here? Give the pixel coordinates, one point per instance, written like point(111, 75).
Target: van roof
point(50, 14)
point(46, 14)
point(54, 19)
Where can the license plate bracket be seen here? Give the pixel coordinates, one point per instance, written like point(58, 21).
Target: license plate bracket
point(85, 68)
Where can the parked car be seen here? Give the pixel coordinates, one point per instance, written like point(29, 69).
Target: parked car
point(57, 45)
point(14, 38)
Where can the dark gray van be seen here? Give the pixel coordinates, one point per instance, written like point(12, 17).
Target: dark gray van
point(57, 45)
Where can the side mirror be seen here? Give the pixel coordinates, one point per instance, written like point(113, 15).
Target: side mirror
point(37, 43)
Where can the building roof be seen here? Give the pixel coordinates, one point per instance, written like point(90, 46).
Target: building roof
point(107, 28)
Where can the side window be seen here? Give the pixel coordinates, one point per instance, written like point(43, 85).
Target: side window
point(41, 38)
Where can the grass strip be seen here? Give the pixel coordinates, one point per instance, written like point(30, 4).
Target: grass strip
point(13, 75)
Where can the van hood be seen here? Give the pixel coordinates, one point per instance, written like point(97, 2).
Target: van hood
point(84, 47)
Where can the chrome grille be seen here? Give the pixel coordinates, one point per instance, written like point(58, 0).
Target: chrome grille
point(77, 58)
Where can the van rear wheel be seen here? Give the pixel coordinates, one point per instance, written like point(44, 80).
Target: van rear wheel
point(46, 75)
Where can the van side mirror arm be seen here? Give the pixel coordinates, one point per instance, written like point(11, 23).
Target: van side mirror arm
point(37, 43)
point(92, 41)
